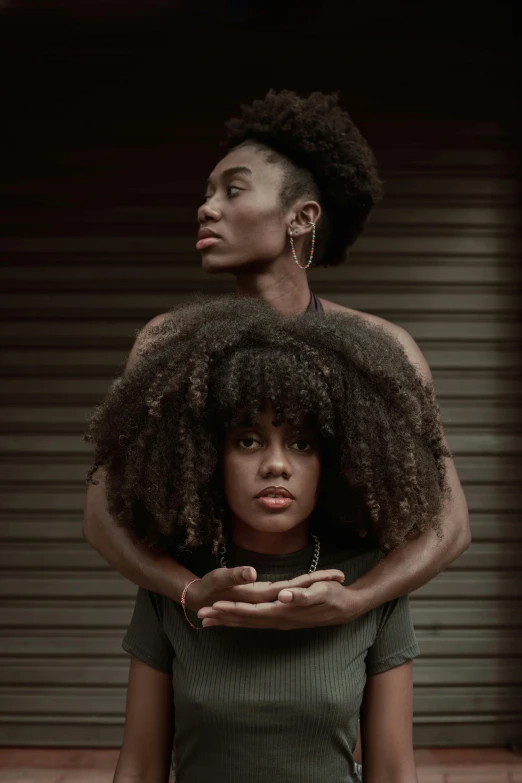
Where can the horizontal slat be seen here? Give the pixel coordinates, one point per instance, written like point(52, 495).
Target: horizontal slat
point(465, 671)
point(446, 643)
point(96, 613)
point(466, 642)
point(466, 731)
point(457, 613)
point(90, 732)
point(475, 584)
point(429, 187)
point(72, 584)
point(67, 583)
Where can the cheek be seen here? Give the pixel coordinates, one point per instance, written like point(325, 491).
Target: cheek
point(236, 478)
point(311, 479)
point(260, 226)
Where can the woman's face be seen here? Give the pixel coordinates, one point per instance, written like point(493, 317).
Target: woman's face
point(243, 210)
point(264, 461)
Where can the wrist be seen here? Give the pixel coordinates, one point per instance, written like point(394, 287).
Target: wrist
point(356, 602)
point(192, 599)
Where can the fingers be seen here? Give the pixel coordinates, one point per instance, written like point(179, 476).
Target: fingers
point(302, 596)
point(230, 577)
point(238, 608)
point(306, 580)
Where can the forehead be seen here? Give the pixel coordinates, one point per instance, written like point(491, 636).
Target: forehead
point(264, 173)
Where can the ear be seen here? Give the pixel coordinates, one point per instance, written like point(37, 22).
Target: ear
point(304, 213)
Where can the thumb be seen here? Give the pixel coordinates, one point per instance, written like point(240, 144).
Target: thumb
point(228, 577)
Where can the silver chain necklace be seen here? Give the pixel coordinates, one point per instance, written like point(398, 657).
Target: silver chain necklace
point(313, 564)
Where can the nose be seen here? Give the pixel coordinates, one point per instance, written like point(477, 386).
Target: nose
point(208, 211)
point(276, 462)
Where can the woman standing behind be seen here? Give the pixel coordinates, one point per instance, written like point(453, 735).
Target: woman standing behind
point(286, 445)
point(295, 189)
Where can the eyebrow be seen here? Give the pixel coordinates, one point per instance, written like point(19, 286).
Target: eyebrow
point(233, 170)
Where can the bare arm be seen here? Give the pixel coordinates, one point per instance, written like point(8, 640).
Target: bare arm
point(145, 756)
point(419, 560)
point(138, 563)
point(386, 727)
point(141, 565)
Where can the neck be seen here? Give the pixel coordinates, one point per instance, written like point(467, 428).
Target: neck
point(282, 285)
point(268, 543)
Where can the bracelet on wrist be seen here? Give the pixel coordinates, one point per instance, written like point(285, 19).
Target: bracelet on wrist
point(183, 598)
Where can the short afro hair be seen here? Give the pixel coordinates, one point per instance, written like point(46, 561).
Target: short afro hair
point(211, 365)
point(324, 156)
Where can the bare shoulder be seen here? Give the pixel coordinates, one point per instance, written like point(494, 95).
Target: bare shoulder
point(144, 336)
point(407, 342)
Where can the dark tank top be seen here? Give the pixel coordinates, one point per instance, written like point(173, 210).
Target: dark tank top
point(315, 306)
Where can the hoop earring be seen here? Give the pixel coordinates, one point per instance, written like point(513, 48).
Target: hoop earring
point(304, 268)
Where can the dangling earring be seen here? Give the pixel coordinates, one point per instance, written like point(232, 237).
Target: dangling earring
point(304, 268)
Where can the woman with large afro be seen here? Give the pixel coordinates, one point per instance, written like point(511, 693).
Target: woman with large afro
point(294, 189)
point(288, 445)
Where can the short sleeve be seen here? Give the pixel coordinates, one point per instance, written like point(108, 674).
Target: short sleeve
point(145, 637)
point(395, 642)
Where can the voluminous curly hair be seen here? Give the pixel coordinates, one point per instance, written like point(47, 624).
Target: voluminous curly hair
point(215, 364)
point(324, 157)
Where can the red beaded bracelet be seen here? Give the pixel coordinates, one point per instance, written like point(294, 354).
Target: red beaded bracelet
point(183, 594)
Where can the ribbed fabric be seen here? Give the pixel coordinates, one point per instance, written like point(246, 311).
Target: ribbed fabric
point(268, 706)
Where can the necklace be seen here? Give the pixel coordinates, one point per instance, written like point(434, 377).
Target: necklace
point(313, 564)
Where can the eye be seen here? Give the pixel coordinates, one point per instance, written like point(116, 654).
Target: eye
point(302, 445)
point(232, 187)
point(250, 441)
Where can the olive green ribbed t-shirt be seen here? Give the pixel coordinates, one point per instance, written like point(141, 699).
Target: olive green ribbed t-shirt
point(267, 706)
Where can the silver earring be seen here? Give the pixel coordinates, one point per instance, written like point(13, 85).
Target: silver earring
point(304, 268)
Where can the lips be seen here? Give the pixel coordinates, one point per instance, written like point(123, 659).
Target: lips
point(206, 233)
point(275, 492)
point(206, 238)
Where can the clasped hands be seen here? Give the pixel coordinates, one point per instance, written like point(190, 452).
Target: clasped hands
point(232, 597)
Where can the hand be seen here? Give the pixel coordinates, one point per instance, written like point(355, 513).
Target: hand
point(323, 603)
point(239, 585)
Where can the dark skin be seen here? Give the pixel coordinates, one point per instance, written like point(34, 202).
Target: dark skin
point(244, 209)
point(254, 459)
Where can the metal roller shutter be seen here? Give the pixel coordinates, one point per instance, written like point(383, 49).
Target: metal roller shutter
point(86, 262)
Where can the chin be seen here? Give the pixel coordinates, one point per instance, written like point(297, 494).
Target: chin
point(276, 524)
point(213, 264)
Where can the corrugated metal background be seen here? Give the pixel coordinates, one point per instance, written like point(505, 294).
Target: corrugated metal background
point(439, 259)
point(99, 238)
